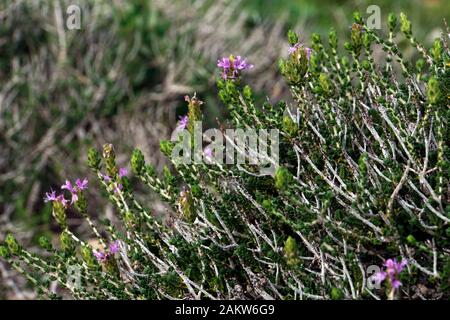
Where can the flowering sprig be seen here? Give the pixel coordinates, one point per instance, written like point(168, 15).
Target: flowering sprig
point(103, 256)
point(52, 197)
point(393, 268)
point(297, 48)
point(231, 66)
point(79, 186)
point(296, 66)
point(123, 172)
point(183, 123)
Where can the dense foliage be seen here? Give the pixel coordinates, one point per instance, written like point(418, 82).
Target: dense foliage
point(362, 178)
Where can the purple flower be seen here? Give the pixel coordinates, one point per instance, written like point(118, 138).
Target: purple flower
point(183, 123)
point(50, 196)
point(68, 186)
point(106, 178)
point(123, 172)
point(241, 64)
point(395, 283)
point(63, 200)
point(114, 247)
point(231, 66)
point(81, 185)
point(379, 276)
point(392, 272)
point(100, 255)
point(118, 188)
point(208, 153)
point(293, 49)
point(308, 53)
point(394, 267)
point(74, 197)
point(224, 63)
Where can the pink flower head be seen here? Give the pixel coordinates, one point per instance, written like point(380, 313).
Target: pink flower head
point(123, 172)
point(114, 247)
point(396, 283)
point(241, 64)
point(81, 184)
point(183, 123)
point(379, 277)
point(100, 255)
point(224, 63)
point(231, 66)
point(392, 272)
point(50, 196)
point(394, 267)
point(74, 198)
point(293, 49)
point(118, 188)
point(208, 152)
point(68, 186)
point(308, 53)
point(62, 200)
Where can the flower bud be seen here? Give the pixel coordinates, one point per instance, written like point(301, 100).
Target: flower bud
point(110, 159)
point(291, 251)
point(433, 91)
point(392, 22)
point(137, 162)
point(357, 17)
point(45, 244)
point(187, 206)
point(283, 178)
point(333, 38)
point(59, 213)
point(357, 37)
point(88, 256)
point(166, 147)
point(348, 46)
point(324, 82)
point(12, 244)
point(436, 51)
point(405, 24)
point(67, 243)
point(130, 220)
point(315, 38)
point(4, 252)
point(194, 110)
point(292, 37)
point(336, 294)
point(81, 203)
point(411, 240)
point(420, 64)
point(94, 160)
point(290, 126)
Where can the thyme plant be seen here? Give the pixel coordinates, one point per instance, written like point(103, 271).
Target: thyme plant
point(362, 181)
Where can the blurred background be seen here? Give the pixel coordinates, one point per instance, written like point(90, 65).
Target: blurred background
point(121, 78)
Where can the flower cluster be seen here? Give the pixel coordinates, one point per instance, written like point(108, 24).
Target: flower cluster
point(392, 272)
point(183, 123)
point(74, 189)
point(231, 66)
point(295, 49)
point(102, 256)
point(332, 206)
point(122, 173)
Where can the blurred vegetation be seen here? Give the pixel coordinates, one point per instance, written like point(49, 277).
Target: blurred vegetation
point(321, 15)
point(122, 77)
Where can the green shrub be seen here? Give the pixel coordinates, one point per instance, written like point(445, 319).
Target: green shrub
point(362, 177)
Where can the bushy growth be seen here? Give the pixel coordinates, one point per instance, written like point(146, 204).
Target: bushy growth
point(362, 181)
